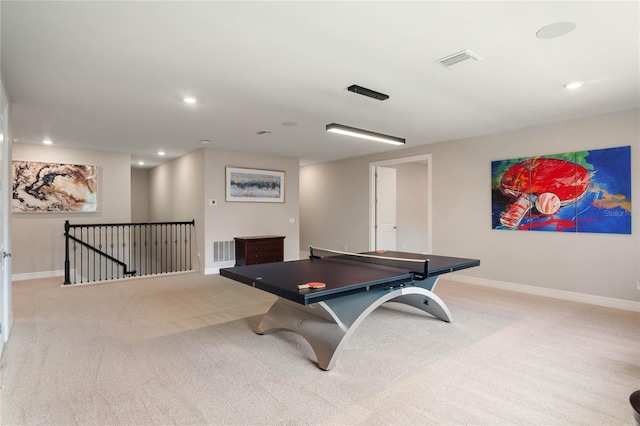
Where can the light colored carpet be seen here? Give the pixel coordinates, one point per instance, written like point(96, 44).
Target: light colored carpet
point(181, 350)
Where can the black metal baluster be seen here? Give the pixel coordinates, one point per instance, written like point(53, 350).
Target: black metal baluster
point(171, 244)
point(190, 237)
point(181, 233)
point(81, 256)
point(75, 260)
point(93, 244)
point(133, 241)
point(143, 259)
point(111, 244)
point(67, 277)
point(155, 265)
point(88, 273)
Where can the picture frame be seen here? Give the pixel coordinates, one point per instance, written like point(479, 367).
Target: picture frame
point(579, 191)
point(47, 187)
point(254, 185)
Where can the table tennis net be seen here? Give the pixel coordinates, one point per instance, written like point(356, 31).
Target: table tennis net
point(419, 267)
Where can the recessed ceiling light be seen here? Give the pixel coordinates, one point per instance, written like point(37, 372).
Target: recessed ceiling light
point(190, 100)
point(47, 142)
point(555, 30)
point(205, 141)
point(573, 85)
point(141, 163)
point(161, 152)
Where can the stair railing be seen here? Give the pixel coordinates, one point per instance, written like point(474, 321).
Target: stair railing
point(97, 252)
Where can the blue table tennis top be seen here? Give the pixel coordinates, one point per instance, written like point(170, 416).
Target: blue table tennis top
point(341, 277)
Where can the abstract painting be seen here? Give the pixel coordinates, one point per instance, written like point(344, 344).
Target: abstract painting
point(583, 191)
point(54, 187)
point(254, 185)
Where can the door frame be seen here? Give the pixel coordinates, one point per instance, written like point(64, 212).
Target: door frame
point(377, 174)
point(6, 173)
point(372, 195)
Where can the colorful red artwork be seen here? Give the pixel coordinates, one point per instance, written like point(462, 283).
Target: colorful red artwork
point(564, 192)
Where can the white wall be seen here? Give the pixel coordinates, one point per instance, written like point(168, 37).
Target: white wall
point(227, 220)
point(37, 238)
point(603, 265)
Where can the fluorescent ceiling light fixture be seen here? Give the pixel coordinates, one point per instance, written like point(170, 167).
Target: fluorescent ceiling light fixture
point(47, 142)
point(573, 85)
point(190, 100)
point(364, 134)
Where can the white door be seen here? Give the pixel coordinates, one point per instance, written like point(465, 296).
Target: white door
point(385, 208)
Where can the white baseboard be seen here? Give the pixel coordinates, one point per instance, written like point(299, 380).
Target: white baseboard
point(37, 275)
point(609, 302)
point(216, 268)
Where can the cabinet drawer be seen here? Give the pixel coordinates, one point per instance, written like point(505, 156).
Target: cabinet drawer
point(255, 246)
point(256, 257)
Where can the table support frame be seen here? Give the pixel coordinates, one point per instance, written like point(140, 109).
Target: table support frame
point(328, 324)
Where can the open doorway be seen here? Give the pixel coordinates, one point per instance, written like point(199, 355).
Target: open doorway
point(400, 204)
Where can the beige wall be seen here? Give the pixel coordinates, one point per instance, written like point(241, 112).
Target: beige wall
point(176, 191)
point(334, 205)
point(227, 220)
point(140, 195)
point(334, 209)
point(411, 212)
point(37, 238)
point(180, 190)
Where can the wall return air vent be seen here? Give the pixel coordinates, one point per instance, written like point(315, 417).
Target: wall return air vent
point(458, 59)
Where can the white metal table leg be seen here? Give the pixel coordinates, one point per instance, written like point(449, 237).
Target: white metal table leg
point(327, 325)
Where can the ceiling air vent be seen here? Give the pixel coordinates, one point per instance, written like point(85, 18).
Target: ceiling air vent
point(458, 59)
point(263, 132)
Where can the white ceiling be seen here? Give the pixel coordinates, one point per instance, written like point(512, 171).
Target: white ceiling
point(112, 75)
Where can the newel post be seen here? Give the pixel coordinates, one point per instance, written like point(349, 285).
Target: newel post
point(67, 277)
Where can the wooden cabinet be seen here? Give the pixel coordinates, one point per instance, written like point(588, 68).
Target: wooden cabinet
point(259, 249)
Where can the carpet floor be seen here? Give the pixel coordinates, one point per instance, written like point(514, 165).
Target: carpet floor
point(180, 349)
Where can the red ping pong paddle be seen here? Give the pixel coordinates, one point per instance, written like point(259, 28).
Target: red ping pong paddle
point(549, 183)
point(314, 284)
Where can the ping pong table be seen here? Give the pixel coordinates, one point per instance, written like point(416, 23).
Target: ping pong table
point(355, 285)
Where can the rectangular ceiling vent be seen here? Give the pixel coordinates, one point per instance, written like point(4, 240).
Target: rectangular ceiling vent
point(458, 59)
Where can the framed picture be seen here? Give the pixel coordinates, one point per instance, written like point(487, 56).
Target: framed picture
point(54, 187)
point(254, 185)
point(581, 191)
